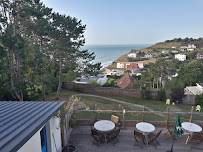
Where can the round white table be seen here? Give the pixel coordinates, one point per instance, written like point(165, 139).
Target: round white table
point(104, 126)
point(145, 127)
point(191, 127)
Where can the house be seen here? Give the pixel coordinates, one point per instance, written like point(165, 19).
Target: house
point(174, 74)
point(148, 55)
point(102, 80)
point(174, 52)
point(164, 52)
point(173, 47)
point(132, 55)
point(87, 79)
point(136, 71)
point(183, 48)
point(126, 81)
point(191, 47)
point(115, 72)
point(123, 65)
point(30, 126)
point(199, 55)
point(132, 66)
point(194, 90)
point(180, 57)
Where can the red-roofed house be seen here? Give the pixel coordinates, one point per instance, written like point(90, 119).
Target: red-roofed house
point(126, 81)
point(132, 66)
point(199, 55)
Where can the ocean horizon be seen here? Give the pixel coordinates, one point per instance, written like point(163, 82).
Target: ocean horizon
point(106, 54)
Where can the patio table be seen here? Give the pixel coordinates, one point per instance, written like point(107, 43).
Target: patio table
point(145, 127)
point(104, 126)
point(191, 127)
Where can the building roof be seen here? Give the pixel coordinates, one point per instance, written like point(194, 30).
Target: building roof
point(201, 84)
point(126, 81)
point(195, 90)
point(132, 66)
point(19, 121)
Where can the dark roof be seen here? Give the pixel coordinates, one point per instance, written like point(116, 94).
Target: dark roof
point(201, 84)
point(19, 121)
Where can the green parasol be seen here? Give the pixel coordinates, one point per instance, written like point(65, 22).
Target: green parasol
point(178, 129)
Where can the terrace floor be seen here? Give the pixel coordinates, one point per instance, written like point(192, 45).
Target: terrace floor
point(81, 138)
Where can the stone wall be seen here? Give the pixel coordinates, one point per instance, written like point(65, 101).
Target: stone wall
point(189, 99)
point(89, 88)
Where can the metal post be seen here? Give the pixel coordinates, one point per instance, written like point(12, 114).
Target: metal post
point(192, 109)
point(143, 114)
point(124, 119)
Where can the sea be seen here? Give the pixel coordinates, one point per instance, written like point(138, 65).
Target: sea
point(106, 54)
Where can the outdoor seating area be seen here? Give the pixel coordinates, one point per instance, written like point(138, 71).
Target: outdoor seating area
point(82, 139)
point(111, 132)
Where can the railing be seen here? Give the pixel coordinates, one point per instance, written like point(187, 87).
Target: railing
point(165, 115)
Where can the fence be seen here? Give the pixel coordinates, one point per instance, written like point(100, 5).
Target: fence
point(167, 115)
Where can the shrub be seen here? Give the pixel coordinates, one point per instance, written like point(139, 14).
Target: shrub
point(161, 95)
point(110, 83)
point(93, 82)
point(199, 100)
point(177, 95)
point(146, 94)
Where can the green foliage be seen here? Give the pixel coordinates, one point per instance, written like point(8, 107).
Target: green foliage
point(191, 73)
point(199, 100)
point(110, 83)
point(161, 95)
point(146, 94)
point(135, 85)
point(39, 50)
point(94, 82)
point(177, 95)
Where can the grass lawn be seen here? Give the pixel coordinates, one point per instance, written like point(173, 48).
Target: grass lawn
point(104, 104)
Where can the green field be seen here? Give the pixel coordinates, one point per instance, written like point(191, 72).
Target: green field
point(131, 104)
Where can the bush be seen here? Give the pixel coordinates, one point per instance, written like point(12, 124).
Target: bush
point(177, 95)
point(199, 100)
point(93, 82)
point(110, 83)
point(146, 94)
point(161, 95)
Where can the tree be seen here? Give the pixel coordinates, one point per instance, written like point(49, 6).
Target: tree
point(177, 95)
point(191, 73)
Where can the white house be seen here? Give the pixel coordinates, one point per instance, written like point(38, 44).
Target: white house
point(183, 48)
point(191, 47)
point(123, 65)
point(115, 72)
point(132, 55)
point(102, 80)
point(87, 79)
point(148, 55)
point(164, 52)
point(30, 126)
point(180, 57)
point(174, 52)
point(194, 90)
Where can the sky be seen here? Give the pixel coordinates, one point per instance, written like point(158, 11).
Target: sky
point(134, 21)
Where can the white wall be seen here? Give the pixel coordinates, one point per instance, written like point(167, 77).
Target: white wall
point(56, 131)
point(33, 144)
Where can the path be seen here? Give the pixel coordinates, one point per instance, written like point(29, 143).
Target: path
point(119, 101)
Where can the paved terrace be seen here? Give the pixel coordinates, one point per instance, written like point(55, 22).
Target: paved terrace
point(82, 139)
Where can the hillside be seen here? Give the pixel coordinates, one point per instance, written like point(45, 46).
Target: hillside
point(166, 45)
point(156, 49)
